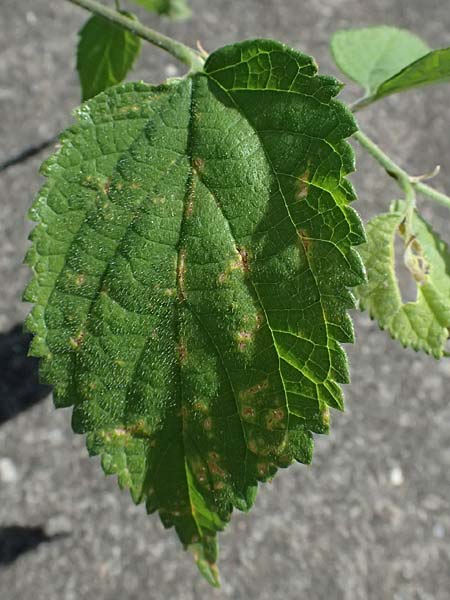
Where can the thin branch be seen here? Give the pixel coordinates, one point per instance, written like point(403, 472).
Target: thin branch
point(406, 181)
point(361, 103)
point(186, 55)
point(427, 190)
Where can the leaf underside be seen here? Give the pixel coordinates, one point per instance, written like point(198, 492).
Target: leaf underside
point(422, 324)
point(191, 264)
point(386, 60)
point(105, 54)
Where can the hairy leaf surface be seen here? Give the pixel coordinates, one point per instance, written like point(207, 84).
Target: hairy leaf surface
point(191, 263)
point(386, 60)
point(174, 9)
point(105, 54)
point(423, 324)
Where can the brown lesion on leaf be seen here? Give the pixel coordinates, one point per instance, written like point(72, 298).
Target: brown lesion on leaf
point(106, 186)
point(126, 433)
point(252, 446)
point(213, 465)
point(260, 318)
point(263, 469)
point(75, 342)
point(302, 189)
point(198, 165)
point(258, 446)
point(182, 352)
point(130, 108)
point(274, 418)
point(239, 263)
point(244, 258)
point(243, 339)
point(254, 390)
point(189, 205)
point(303, 239)
point(248, 412)
point(222, 277)
point(200, 407)
point(200, 474)
point(139, 429)
point(181, 273)
point(120, 432)
point(284, 460)
point(302, 185)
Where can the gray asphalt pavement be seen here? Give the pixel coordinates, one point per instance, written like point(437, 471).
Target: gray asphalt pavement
point(369, 520)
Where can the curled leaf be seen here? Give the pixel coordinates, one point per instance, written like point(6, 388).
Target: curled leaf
point(422, 324)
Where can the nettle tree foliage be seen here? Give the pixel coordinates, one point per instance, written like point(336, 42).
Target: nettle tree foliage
point(194, 257)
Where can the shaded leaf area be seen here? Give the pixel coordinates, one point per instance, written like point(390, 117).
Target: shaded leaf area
point(174, 9)
point(15, 540)
point(105, 54)
point(422, 324)
point(19, 382)
point(386, 60)
point(191, 263)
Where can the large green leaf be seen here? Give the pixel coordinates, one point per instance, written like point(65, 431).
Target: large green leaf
point(422, 324)
point(174, 9)
point(105, 54)
point(191, 263)
point(386, 60)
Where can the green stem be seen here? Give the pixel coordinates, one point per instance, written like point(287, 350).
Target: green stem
point(427, 190)
point(186, 55)
point(395, 171)
point(403, 178)
point(361, 103)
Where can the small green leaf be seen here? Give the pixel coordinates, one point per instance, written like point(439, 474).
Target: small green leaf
point(192, 259)
point(372, 55)
point(174, 9)
point(106, 52)
point(423, 324)
point(434, 67)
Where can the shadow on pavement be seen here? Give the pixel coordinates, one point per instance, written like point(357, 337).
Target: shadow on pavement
point(16, 539)
point(19, 381)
